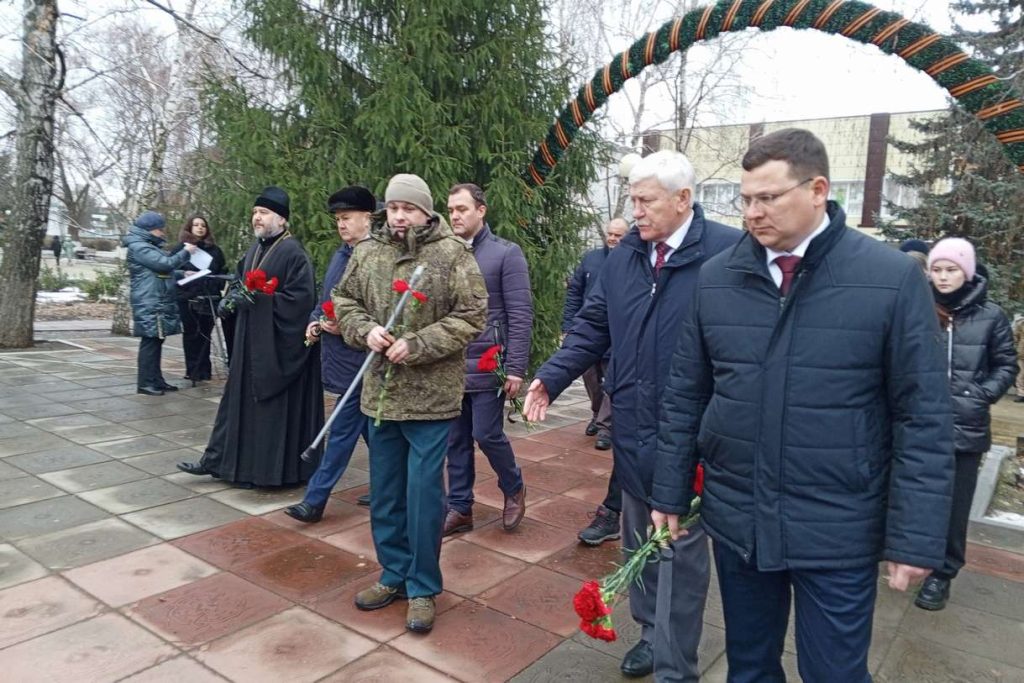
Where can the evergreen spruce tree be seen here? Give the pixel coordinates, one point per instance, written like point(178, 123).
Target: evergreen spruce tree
point(967, 186)
point(452, 90)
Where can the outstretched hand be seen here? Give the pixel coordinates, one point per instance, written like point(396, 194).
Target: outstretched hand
point(535, 408)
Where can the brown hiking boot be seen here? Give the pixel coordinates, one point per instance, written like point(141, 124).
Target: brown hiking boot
point(419, 617)
point(376, 596)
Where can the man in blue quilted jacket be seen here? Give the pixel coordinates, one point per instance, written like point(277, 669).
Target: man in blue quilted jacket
point(509, 326)
point(809, 381)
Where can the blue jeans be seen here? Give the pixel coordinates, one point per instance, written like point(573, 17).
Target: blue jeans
point(345, 432)
point(407, 505)
point(834, 609)
point(482, 420)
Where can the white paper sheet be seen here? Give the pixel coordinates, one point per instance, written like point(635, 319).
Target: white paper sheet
point(201, 259)
point(194, 276)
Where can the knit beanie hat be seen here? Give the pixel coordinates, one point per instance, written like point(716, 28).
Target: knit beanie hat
point(275, 199)
point(406, 187)
point(957, 250)
point(150, 220)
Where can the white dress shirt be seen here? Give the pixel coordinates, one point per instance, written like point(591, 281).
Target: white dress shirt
point(674, 241)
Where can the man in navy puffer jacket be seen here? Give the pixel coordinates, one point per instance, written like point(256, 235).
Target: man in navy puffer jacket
point(635, 309)
point(809, 380)
point(509, 325)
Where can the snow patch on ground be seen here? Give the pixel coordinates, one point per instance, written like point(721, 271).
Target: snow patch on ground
point(68, 295)
point(1007, 518)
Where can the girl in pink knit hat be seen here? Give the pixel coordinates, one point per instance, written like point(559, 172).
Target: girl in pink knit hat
point(982, 364)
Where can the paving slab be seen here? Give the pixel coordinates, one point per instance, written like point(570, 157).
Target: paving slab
point(136, 495)
point(100, 475)
point(47, 516)
point(136, 445)
point(67, 421)
point(259, 501)
point(86, 543)
point(163, 462)
point(915, 659)
point(33, 609)
point(25, 490)
point(41, 410)
point(32, 444)
point(98, 433)
point(184, 517)
point(183, 668)
point(17, 567)
point(57, 459)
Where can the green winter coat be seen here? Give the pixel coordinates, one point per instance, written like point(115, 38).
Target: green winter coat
point(153, 290)
point(428, 385)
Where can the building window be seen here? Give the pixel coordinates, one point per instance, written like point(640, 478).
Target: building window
point(900, 195)
point(716, 197)
point(849, 194)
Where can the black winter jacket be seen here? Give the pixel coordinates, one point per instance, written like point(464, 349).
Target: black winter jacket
point(638, 320)
point(982, 365)
point(581, 282)
point(822, 418)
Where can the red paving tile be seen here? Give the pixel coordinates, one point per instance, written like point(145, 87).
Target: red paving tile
point(338, 516)
point(350, 495)
point(537, 596)
point(139, 574)
point(382, 624)
point(554, 478)
point(207, 609)
point(531, 541)
point(488, 493)
point(305, 570)
point(294, 646)
point(535, 451)
point(562, 511)
point(575, 438)
point(106, 648)
point(995, 562)
point(237, 543)
point(178, 670)
point(469, 569)
point(474, 643)
point(592, 491)
point(358, 540)
point(32, 609)
point(583, 462)
point(585, 562)
point(385, 665)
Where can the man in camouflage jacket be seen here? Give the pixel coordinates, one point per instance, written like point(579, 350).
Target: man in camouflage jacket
point(414, 389)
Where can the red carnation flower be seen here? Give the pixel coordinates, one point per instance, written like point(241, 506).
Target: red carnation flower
point(588, 603)
point(255, 280)
point(698, 481)
point(270, 286)
point(328, 309)
point(489, 360)
point(400, 286)
point(420, 296)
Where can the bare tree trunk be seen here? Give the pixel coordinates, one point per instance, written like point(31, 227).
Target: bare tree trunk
point(35, 97)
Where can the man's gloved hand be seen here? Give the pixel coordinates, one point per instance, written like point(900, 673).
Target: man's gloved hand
point(226, 308)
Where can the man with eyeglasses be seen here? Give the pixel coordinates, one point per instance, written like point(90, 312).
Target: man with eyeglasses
point(810, 383)
point(645, 290)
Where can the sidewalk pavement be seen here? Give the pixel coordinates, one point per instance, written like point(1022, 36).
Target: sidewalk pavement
point(114, 566)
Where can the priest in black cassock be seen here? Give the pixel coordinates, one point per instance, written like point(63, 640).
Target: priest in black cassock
point(272, 406)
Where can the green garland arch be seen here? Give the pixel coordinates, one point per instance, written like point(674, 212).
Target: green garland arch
point(969, 81)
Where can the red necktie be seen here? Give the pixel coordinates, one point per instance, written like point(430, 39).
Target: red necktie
point(660, 249)
point(788, 266)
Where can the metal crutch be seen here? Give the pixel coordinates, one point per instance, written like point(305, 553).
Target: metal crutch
point(309, 454)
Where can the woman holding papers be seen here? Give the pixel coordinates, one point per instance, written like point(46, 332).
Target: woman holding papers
point(195, 297)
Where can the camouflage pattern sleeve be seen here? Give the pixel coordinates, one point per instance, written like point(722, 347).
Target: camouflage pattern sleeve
point(466, 320)
point(349, 300)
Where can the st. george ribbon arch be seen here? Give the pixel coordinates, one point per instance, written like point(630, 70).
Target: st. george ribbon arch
point(969, 81)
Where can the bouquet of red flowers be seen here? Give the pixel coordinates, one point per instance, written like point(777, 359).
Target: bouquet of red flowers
point(493, 361)
point(328, 314)
point(256, 281)
point(595, 600)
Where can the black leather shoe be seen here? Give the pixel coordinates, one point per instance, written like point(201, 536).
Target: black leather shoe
point(363, 500)
point(304, 512)
point(168, 387)
point(639, 661)
point(933, 594)
point(591, 429)
point(196, 468)
point(151, 391)
point(603, 443)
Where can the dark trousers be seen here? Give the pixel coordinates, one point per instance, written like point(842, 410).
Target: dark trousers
point(482, 420)
point(963, 495)
point(670, 605)
point(345, 432)
point(196, 328)
point(600, 404)
point(407, 505)
point(834, 609)
point(613, 499)
point(149, 374)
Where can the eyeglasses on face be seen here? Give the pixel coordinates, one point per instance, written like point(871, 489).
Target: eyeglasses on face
point(766, 201)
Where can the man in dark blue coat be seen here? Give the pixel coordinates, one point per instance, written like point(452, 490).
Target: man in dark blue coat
point(605, 525)
point(645, 289)
point(809, 381)
point(509, 325)
point(351, 207)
